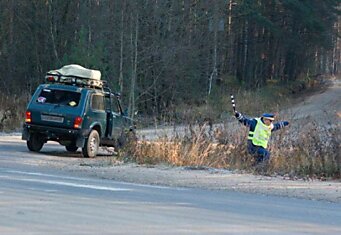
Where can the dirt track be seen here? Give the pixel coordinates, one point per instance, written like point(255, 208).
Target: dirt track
point(323, 107)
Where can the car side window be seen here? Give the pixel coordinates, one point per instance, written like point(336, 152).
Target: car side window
point(97, 102)
point(111, 105)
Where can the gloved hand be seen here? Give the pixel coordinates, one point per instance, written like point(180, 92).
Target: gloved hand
point(285, 123)
point(237, 114)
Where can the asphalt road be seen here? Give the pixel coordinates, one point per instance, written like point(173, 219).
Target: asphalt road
point(39, 200)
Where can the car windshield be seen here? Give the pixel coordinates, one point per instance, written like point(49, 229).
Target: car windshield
point(60, 97)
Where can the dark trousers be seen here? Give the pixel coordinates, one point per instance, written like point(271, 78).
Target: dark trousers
point(261, 154)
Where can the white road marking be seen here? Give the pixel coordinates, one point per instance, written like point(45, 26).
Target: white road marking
point(42, 174)
point(82, 179)
point(51, 190)
point(63, 183)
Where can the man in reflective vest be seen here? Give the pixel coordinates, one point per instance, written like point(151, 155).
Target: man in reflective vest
point(260, 130)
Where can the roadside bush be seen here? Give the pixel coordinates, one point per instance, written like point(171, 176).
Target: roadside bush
point(313, 151)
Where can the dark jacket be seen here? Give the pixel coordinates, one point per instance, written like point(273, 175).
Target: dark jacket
point(252, 122)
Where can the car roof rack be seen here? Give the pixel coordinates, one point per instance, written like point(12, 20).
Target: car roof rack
point(75, 81)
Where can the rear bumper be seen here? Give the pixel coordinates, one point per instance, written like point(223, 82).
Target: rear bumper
point(54, 133)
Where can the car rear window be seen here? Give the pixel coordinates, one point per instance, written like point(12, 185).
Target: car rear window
point(60, 97)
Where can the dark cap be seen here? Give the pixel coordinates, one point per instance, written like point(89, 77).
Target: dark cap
point(269, 116)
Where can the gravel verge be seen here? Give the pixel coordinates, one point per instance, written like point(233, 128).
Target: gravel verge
point(207, 178)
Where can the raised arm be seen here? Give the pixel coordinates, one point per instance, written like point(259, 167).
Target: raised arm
point(279, 125)
point(244, 120)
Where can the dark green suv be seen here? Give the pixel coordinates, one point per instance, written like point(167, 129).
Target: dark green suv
point(77, 114)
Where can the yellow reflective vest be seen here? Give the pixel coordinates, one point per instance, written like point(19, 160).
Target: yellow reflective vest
point(261, 135)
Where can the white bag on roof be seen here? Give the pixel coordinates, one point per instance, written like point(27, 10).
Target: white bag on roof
point(77, 71)
point(75, 74)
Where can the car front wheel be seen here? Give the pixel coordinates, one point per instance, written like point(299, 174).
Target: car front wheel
point(91, 145)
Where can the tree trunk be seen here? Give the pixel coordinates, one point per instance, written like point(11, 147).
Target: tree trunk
point(134, 68)
point(214, 58)
point(120, 79)
point(53, 41)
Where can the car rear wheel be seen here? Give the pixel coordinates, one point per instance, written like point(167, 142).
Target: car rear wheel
point(35, 143)
point(71, 148)
point(91, 145)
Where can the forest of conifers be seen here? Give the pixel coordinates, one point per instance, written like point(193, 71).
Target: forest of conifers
point(160, 53)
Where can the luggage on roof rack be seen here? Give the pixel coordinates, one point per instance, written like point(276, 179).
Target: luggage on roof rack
point(76, 75)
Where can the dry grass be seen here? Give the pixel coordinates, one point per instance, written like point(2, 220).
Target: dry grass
point(305, 149)
point(311, 151)
point(199, 147)
point(12, 110)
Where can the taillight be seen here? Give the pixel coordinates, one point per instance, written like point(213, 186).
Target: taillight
point(28, 117)
point(50, 79)
point(78, 122)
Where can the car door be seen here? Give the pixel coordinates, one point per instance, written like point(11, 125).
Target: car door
point(97, 113)
point(117, 118)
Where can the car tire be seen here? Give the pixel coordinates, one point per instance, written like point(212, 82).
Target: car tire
point(91, 145)
point(71, 148)
point(35, 143)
